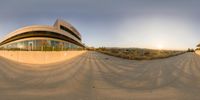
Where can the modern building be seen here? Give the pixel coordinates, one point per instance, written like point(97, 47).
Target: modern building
point(59, 37)
point(198, 47)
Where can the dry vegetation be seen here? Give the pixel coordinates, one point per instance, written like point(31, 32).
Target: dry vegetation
point(139, 54)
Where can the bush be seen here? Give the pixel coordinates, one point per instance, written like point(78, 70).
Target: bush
point(139, 54)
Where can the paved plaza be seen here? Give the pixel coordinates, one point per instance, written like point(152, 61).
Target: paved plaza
point(95, 76)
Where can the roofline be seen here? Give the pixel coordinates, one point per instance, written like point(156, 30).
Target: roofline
point(39, 28)
point(44, 34)
point(60, 22)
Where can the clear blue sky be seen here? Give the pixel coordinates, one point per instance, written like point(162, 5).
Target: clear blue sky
point(169, 24)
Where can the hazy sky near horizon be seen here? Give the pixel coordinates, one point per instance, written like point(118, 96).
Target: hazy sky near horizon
point(169, 24)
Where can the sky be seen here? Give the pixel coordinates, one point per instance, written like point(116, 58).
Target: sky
point(166, 24)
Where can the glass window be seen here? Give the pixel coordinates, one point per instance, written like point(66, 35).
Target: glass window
point(41, 45)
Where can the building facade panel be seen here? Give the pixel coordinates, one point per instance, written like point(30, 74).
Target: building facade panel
point(42, 38)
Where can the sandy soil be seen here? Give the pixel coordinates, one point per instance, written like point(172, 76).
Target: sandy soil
point(95, 76)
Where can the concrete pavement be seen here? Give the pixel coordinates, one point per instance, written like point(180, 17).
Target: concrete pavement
point(96, 76)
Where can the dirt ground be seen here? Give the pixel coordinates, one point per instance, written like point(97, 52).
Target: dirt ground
point(96, 76)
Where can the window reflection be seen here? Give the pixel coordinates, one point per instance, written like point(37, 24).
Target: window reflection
point(41, 45)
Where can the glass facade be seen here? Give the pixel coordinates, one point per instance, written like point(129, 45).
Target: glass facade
point(41, 45)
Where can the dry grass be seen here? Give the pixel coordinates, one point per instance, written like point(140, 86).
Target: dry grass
point(139, 54)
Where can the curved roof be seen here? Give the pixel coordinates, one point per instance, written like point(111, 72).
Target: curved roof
point(52, 29)
point(198, 45)
point(67, 25)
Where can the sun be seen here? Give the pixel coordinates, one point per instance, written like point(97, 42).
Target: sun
point(159, 46)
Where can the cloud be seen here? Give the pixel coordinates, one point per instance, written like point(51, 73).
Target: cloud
point(96, 19)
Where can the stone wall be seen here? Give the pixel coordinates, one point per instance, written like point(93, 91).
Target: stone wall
point(40, 57)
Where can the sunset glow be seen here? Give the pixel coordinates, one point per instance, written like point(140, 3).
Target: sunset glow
point(159, 46)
